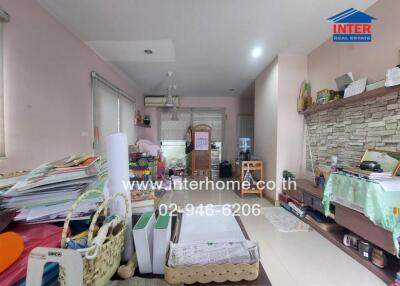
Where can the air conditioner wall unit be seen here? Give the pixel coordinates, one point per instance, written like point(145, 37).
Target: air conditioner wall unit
point(159, 101)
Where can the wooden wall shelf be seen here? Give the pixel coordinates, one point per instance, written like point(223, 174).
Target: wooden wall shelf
point(359, 224)
point(352, 99)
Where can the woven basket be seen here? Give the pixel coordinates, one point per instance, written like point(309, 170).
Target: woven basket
point(211, 273)
point(99, 270)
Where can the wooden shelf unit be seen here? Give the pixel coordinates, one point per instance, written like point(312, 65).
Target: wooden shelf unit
point(254, 166)
point(379, 237)
point(352, 99)
point(387, 274)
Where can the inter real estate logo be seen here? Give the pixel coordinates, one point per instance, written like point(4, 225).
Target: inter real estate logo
point(352, 26)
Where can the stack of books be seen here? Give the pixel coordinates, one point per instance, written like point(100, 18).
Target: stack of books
point(47, 193)
point(369, 175)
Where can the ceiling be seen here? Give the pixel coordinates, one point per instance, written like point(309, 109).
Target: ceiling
point(206, 43)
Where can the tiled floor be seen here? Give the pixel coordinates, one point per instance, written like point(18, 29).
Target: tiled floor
point(301, 259)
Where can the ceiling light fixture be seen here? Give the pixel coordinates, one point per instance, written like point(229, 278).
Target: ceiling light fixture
point(256, 52)
point(148, 51)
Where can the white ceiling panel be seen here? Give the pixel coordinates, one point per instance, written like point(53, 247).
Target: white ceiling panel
point(207, 43)
point(133, 51)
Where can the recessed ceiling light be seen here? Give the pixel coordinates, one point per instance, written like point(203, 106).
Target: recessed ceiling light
point(256, 52)
point(148, 51)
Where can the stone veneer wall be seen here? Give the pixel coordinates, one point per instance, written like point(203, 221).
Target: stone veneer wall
point(351, 129)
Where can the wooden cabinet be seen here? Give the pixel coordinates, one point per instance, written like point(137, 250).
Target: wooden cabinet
point(306, 193)
point(313, 202)
point(362, 226)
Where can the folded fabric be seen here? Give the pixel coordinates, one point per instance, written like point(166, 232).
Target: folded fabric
point(34, 235)
point(188, 254)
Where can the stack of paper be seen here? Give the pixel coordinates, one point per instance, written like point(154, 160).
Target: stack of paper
point(380, 176)
point(368, 174)
point(47, 193)
point(7, 181)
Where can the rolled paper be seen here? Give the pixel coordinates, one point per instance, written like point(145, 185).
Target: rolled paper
point(118, 180)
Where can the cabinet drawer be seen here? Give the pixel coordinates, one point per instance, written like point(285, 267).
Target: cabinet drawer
point(308, 199)
point(314, 202)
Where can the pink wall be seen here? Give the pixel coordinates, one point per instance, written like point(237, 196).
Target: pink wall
point(265, 121)
point(331, 60)
point(47, 88)
point(233, 107)
point(292, 71)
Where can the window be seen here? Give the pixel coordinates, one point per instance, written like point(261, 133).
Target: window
point(4, 17)
point(172, 135)
point(172, 132)
point(175, 129)
point(113, 112)
point(214, 119)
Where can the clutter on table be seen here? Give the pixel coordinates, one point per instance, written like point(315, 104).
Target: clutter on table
point(46, 193)
point(142, 166)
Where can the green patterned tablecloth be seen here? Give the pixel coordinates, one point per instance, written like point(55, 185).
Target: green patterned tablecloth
point(366, 196)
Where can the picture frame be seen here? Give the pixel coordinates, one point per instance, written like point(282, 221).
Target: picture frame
point(389, 160)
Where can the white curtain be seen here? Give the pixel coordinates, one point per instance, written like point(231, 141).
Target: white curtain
point(112, 113)
point(126, 118)
point(105, 113)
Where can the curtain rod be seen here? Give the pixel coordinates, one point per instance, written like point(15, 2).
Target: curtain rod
point(4, 16)
point(110, 85)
